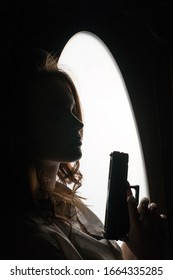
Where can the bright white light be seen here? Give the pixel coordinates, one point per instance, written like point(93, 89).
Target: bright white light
point(109, 123)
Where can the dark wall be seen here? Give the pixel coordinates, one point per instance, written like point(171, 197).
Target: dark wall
point(139, 35)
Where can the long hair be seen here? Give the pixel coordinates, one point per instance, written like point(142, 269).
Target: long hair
point(25, 180)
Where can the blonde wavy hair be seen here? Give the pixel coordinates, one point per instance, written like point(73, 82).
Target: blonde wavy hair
point(68, 173)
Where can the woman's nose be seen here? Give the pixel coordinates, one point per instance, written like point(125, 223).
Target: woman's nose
point(79, 123)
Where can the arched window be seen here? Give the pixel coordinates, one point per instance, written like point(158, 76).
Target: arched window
point(109, 123)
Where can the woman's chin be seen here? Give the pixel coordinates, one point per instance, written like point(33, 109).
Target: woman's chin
point(76, 154)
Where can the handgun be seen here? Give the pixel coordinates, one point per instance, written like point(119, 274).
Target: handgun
point(116, 215)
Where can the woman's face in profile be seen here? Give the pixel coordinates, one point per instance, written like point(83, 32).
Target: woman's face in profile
point(54, 128)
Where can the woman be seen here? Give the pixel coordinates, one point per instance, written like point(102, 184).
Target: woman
point(42, 215)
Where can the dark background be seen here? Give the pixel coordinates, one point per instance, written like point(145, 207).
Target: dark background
point(139, 35)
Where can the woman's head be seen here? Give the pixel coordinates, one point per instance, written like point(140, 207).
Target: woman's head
point(44, 120)
point(55, 124)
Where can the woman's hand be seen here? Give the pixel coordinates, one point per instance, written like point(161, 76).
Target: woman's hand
point(146, 238)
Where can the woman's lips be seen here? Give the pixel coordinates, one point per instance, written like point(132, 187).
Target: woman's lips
point(77, 142)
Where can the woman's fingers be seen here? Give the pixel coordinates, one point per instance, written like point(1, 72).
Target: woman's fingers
point(163, 217)
point(143, 207)
point(147, 230)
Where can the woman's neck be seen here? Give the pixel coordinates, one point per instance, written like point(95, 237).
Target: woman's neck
point(48, 173)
